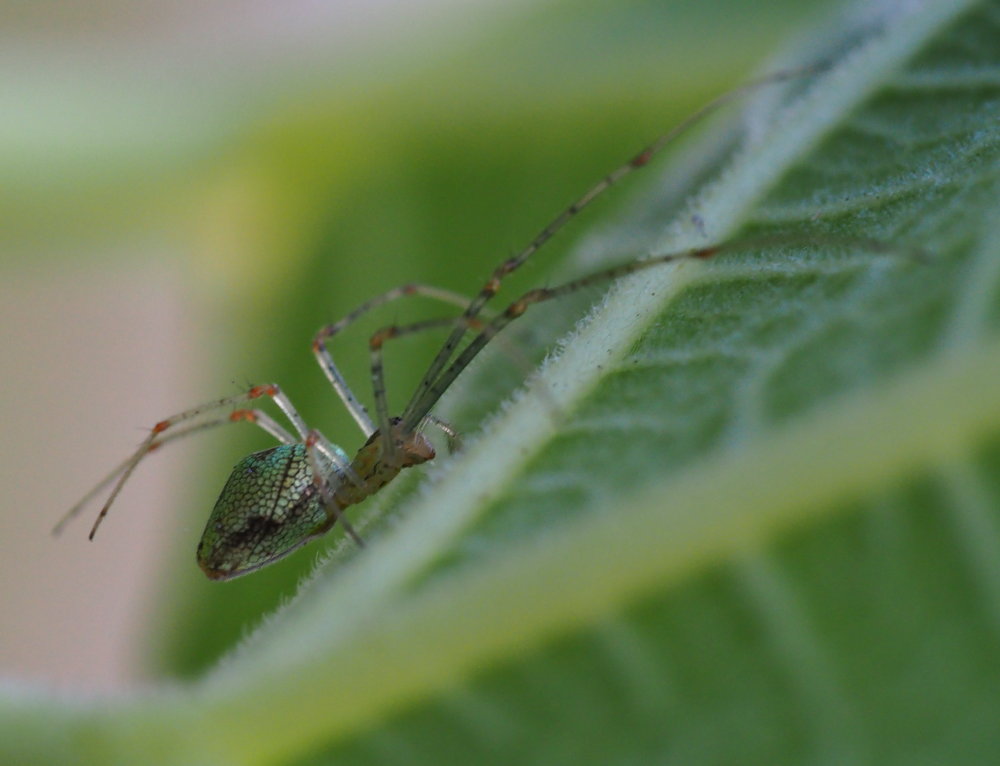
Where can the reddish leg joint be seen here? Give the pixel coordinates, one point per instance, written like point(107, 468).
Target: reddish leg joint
point(642, 158)
point(380, 337)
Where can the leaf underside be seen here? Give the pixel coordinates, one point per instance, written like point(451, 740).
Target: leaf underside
point(763, 524)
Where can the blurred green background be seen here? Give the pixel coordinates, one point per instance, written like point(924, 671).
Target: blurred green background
point(191, 189)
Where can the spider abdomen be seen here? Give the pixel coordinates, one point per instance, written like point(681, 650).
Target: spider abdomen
point(269, 507)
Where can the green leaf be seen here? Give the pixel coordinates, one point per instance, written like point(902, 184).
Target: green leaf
point(762, 525)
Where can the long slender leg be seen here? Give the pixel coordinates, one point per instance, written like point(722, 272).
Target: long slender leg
point(333, 509)
point(156, 438)
point(418, 402)
point(335, 455)
point(378, 374)
point(257, 417)
point(538, 295)
point(375, 343)
point(390, 332)
point(325, 359)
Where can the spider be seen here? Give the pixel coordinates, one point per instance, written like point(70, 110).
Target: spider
point(278, 499)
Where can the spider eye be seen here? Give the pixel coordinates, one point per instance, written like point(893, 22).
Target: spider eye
point(268, 508)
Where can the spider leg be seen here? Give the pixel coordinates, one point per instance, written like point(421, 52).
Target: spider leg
point(391, 332)
point(333, 508)
point(417, 404)
point(162, 433)
point(419, 409)
point(325, 358)
point(256, 416)
point(375, 343)
point(334, 454)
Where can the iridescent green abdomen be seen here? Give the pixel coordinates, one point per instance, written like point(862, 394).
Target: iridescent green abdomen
point(268, 508)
